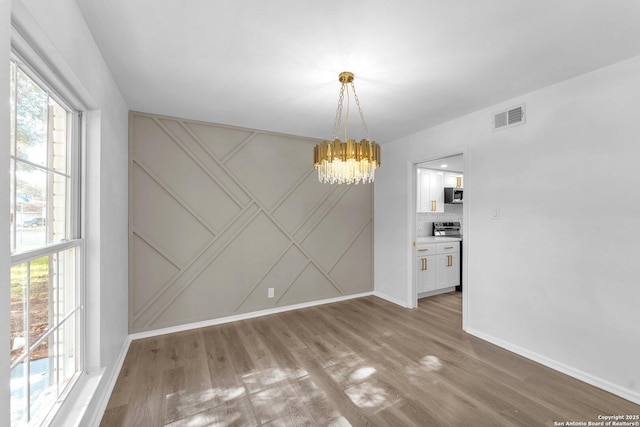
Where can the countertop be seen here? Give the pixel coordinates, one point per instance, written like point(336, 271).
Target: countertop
point(436, 239)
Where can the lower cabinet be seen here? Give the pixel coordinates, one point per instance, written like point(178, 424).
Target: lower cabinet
point(447, 270)
point(426, 274)
point(437, 267)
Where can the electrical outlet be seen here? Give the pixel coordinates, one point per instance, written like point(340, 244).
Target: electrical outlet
point(270, 293)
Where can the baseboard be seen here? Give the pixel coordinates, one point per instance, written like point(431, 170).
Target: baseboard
point(436, 292)
point(390, 299)
point(622, 392)
point(111, 382)
point(244, 316)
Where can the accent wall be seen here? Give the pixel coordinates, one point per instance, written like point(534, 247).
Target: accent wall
point(219, 215)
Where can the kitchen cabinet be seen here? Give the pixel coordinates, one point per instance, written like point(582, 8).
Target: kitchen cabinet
point(430, 188)
point(453, 179)
point(447, 265)
point(437, 267)
point(426, 268)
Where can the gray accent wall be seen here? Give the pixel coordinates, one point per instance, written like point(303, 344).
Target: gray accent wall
point(217, 215)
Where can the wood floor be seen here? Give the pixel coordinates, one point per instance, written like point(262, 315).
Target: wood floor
point(359, 362)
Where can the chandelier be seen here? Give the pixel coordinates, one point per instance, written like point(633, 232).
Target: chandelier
point(347, 162)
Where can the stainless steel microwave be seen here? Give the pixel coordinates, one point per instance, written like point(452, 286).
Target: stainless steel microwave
point(452, 195)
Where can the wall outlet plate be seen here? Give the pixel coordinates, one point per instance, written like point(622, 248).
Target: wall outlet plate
point(270, 293)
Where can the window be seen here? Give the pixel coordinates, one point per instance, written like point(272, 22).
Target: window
point(46, 246)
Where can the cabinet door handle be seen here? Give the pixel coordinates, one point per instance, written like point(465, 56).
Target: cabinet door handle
point(423, 250)
point(448, 247)
point(426, 265)
point(449, 261)
point(433, 205)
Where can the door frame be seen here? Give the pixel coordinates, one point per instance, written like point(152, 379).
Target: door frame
point(411, 217)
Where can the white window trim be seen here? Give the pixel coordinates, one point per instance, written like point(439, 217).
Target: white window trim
point(43, 74)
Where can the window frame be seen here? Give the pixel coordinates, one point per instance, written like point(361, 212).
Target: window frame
point(75, 123)
point(36, 68)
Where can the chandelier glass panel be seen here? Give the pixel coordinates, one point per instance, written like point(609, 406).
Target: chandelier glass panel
point(347, 162)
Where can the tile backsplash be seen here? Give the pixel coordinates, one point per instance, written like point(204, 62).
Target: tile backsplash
point(424, 219)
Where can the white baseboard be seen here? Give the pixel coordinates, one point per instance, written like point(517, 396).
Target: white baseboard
point(111, 382)
point(244, 316)
point(603, 384)
point(436, 292)
point(390, 299)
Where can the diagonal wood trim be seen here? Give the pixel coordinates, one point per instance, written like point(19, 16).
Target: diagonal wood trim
point(291, 190)
point(156, 247)
point(315, 208)
point(169, 191)
point(253, 288)
point(237, 148)
point(215, 158)
point(286, 289)
point(268, 214)
point(199, 268)
point(329, 209)
point(196, 160)
point(364, 227)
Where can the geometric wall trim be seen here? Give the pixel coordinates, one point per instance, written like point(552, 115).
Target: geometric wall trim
point(213, 226)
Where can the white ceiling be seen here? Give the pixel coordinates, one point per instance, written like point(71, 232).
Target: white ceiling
point(273, 65)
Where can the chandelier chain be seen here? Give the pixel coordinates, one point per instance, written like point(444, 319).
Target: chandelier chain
point(337, 122)
point(364, 124)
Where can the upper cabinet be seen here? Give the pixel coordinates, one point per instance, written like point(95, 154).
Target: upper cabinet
point(430, 188)
point(453, 179)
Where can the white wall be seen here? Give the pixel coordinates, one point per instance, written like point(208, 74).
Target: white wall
point(58, 31)
point(553, 278)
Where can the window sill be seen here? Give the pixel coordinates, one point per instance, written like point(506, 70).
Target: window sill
point(71, 411)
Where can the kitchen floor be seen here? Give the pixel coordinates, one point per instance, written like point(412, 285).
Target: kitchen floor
point(357, 362)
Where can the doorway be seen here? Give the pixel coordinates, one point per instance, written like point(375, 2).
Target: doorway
point(448, 170)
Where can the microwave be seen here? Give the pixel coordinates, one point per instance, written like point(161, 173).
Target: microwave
point(452, 195)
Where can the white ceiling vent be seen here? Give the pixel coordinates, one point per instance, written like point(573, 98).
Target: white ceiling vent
point(511, 117)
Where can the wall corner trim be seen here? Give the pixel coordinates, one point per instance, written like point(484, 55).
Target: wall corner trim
point(390, 299)
point(603, 384)
point(244, 316)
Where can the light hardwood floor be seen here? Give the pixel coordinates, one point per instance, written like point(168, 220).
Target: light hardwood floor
point(358, 362)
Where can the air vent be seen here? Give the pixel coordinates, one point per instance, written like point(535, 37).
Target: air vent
point(511, 117)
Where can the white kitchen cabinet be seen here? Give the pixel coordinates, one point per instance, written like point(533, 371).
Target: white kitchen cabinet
point(447, 270)
point(426, 268)
point(437, 267)
point(453, 179)
point(430, 189)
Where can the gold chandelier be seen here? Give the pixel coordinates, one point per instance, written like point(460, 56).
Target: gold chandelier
point(348, 162)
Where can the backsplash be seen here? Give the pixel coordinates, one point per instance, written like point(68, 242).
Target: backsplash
point(424, 219)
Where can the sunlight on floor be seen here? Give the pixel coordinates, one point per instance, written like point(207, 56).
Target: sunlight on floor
point(367, 395)
point(431, 363)
point(271, 392)
point(362, 373)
